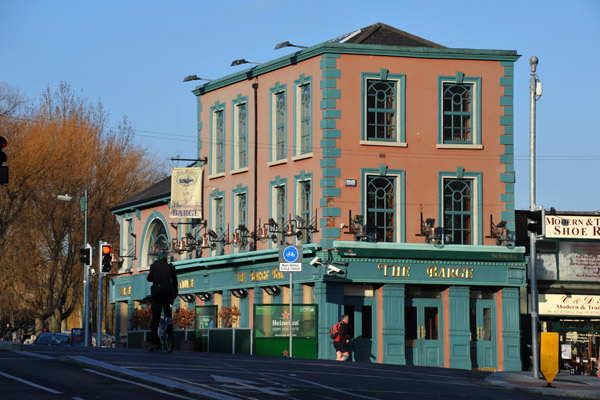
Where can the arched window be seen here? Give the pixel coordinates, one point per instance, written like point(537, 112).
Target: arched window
point(157, 241)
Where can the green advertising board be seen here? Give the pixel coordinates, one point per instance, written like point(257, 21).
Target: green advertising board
point(206, 317)
point(272, 330)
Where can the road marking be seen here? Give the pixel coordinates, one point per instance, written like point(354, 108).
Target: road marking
point(137, 384)
point(31, 354)
point(334, 389)
point(30, 383)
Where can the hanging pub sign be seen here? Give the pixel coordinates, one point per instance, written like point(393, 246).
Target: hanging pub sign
point(186, 193)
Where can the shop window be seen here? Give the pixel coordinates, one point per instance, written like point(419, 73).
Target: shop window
point(367, 322)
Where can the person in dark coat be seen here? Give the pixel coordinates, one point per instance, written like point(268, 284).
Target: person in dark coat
point(163, 292)
point(340, 343)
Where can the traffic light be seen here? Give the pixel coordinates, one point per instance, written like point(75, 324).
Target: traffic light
point(3, 158)
point(106, 258)
point(536, 221)
point(86, 255)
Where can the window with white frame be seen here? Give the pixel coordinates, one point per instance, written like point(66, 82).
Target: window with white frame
point(219, 222)
point(461, 208)
point(240, 139)
point(156, 241)
point(241, 215)
point(218, 139)
point(383, 205)
point(129, 245)
point(303, 116)
point(304, 206)
point(459, 122)
point(278, 124)
point(383, 108)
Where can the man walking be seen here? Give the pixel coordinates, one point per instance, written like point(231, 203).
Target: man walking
point(340, 343)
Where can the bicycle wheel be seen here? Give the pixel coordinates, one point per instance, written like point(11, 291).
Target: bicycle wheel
point(169, 339)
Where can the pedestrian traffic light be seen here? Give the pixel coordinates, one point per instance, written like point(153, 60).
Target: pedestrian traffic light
point(3, 158)
point(536, 221)
point(86, 255)
point(106, 258)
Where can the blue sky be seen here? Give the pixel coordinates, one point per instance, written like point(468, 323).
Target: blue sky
point(133, 55)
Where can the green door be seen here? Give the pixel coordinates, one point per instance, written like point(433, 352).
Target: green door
point(483, 334)
point(424, 342)
point(361, 327)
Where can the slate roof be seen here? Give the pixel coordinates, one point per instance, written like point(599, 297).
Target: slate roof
point(156, 191)
point(385, 35)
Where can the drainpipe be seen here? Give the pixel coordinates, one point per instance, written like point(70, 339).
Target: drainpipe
point(255, 87)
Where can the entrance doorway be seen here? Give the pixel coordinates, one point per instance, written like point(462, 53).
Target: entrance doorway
point(483, 334)
point(423, 332)
point(361, 327)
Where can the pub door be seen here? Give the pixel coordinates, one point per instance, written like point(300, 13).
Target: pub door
point(483, 334)
point(361, 327)
point(424, 343)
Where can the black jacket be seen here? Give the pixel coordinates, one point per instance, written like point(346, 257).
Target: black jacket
point(163, 273)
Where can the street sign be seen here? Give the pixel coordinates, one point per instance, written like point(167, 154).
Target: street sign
point(290, 258)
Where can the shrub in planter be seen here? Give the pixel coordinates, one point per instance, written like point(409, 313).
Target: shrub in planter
point(141, 319)
point(183, 319)
point(229, 316)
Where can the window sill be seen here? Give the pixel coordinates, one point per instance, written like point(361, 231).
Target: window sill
point(302, 156)
point(219, 175)
point(278, 162)
point(385, 144)
point(460, 146)
point(239, 171)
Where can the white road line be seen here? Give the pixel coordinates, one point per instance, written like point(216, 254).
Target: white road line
point(30, 383)
point(332, 388)
point(31, 354)
point(137, 384)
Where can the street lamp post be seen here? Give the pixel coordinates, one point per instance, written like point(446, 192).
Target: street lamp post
point(86, 268)
point(534, 93)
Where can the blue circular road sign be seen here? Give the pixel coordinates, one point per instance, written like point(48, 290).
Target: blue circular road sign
point(290, 254)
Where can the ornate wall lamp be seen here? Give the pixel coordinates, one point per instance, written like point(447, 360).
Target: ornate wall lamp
point(501, 233)
point(432, 234)
point(240, 236)
point(356, 226)
point(191, 241)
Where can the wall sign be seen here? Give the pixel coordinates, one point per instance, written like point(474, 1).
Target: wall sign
point(573, 227)
point(579, 261)
point(565, 304)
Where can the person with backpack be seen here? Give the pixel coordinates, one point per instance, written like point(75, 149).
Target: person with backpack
point(339, 334)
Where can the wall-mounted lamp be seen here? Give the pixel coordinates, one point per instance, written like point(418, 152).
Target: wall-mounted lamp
point(288, 44)
point(242, 61)
point(205, 296)
point(356, 226)
point(187, 297)
point(272, 290)
point(501, 233)
point(240, 293)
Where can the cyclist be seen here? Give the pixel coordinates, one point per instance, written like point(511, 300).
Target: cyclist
point(163, 292)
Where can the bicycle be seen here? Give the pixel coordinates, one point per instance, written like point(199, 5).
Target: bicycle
point(166, 334)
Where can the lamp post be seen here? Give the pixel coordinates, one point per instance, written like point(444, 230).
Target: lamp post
point(86, 268)
point(195, 78)
point(535, 91)
point(288, 44)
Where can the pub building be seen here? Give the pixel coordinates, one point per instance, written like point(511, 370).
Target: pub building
point(384, 163)
point(568, 282)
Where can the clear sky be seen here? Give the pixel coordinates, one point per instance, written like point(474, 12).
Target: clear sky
point(133, 55)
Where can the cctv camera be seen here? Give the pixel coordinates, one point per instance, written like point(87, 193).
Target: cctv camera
point(315, 262)
point(332, 268)
point(343, 226)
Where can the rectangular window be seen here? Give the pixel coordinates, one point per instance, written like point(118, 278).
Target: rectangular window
point(280, 206)
point(458, 211)
point(278, 126)
point(303, 116)
point(219, 224)
point(305, 206)
point(217, 139)
point(240, 142)
point(459, 122)
point(381, 209)
point(383, 109)
point(241, 218)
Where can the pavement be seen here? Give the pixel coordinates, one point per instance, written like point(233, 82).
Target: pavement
point(564, 385)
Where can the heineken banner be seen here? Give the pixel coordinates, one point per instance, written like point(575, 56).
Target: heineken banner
point(273, 320)
point(186, 193)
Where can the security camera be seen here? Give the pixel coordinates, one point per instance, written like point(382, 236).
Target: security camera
point(93, 272)
point(343, 226)
point(316, 262)
point(332, 268)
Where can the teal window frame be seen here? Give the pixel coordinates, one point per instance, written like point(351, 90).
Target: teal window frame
point(217, 214)
point(240, 211)
point(304, 201)
point(398, 177)
point(278, 203)
point(239, 149)
point(278, 126)
point(303, 118)
point(217, 139)
point(476, 212)
point(474, 114)
point(398, 81)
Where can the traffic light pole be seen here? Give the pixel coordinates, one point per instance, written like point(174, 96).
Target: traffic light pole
point(535, 362)
point(86, 272)
point(100, 293)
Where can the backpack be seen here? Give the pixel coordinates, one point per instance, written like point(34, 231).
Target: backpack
point(334, 331)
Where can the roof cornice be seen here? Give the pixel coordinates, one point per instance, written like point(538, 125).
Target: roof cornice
point(357, 49)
